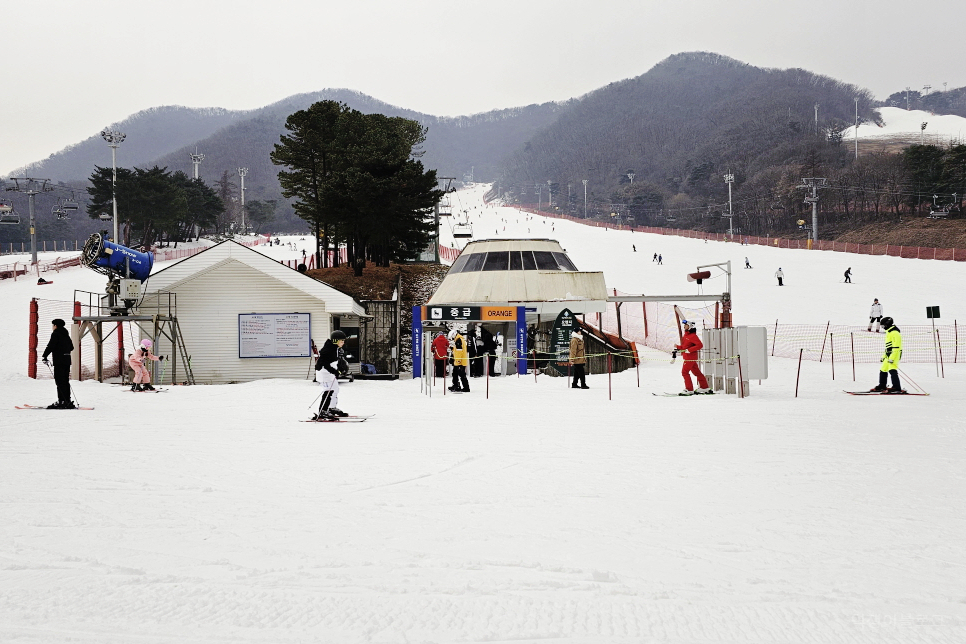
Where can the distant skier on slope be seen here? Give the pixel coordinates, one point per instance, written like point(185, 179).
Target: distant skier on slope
point(690, 346)
point(142, 377)
point(848, 275)
point(875, 315)
point(327, 373)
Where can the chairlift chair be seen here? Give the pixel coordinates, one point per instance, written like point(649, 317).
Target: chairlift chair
point(7, 214)
point(58, 212)
point(463, 231)
point(69, 205)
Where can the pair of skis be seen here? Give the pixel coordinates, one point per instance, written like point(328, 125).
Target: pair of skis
point(53, 408)
point(885, 393)
point(340, 419)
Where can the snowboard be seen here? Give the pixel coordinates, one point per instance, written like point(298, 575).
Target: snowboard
point(40, 407)
point(883, 393)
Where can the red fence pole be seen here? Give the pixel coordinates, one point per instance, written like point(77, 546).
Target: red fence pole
point(80, 370)
point(120, 351)
point(774, 338)
point(32, 341)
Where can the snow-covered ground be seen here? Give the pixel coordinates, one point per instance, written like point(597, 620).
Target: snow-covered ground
point(907, 124)
point(211, 514)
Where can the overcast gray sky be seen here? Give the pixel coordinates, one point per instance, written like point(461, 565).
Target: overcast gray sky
point(73, 67)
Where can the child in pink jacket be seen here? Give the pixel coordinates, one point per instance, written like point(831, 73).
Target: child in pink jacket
point(142, 377)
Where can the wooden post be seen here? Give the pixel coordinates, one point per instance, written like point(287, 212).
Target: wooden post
point(774, 338)
point(852, 335)
point(609, 394)
point(799, 372)
point(32, 337)
point(822, 355)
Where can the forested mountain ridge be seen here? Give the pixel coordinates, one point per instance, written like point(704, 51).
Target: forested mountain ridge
point(679, 128)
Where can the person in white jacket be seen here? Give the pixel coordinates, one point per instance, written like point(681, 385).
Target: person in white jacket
point(875, 316)
point(780, 275)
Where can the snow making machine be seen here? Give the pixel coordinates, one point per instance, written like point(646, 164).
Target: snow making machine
point(125, 268)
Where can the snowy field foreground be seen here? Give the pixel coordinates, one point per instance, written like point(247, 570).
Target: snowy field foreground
point(210, 514)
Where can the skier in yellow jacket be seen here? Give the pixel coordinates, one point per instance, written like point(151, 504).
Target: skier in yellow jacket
point(890, 361)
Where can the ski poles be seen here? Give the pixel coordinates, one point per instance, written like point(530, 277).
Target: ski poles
point(76, 401)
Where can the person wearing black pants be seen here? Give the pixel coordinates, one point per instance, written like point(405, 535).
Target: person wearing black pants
point(60, 347)
point(578, 359)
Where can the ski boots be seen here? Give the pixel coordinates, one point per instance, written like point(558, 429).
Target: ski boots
point(137, 387)
point(335, 411)
point(704, 390)
point(147, 387)
point(686, 392)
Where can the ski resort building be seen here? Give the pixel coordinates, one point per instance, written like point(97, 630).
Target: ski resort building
point(244, 316)
point(535, 273)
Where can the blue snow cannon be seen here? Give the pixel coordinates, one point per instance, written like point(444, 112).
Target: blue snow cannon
point(113, 259)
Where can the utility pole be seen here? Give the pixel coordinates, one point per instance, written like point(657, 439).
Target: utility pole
point(585, 197)
point(549, 194)
point(539, 190)
point(114, 139)
point(630, 175)
point(196, 160)
point(729, 179)
point(922, 131)
point(241, 173)
point(813, 184)
point(31, 187)
point(816, 119)
point(907, 97)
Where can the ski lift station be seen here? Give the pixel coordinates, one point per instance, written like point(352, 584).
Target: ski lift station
point(507, 285)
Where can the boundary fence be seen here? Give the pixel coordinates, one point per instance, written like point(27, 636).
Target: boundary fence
point(892, 250)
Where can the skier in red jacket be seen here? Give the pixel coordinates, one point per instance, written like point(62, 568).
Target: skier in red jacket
point(689, 347)
point(440, 349)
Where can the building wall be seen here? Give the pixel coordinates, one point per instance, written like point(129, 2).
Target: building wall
point(208, 308)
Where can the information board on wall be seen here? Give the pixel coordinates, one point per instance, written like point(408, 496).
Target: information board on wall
point(274, 335)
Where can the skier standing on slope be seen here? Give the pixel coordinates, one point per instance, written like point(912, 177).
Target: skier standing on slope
point(460, 360)
point(848, 275)
point(875, 315)
point(578, 359)
point(327, 373)
point(142, 377)
point(890, 361)
point(60, 345)
point(780, 275)
point(690, 346)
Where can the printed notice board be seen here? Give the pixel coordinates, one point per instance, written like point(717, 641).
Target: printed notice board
point(274, 335)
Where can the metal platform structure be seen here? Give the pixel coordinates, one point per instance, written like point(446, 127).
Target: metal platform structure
point(160, 322)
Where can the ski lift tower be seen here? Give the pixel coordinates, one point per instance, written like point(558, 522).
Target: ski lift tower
point(31, 188)
point(196, 160)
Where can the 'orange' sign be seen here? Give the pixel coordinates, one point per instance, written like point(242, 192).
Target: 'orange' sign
point(497, 313)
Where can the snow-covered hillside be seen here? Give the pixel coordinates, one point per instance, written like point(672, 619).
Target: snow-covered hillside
point(900, 123)
point(540, 513)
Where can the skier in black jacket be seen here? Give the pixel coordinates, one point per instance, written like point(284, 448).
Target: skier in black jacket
point(60, 346)
point(327, 374)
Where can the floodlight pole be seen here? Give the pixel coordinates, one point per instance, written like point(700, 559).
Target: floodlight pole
point(729, 179)
point(114, 139)
point(814, 184)
point(241, 173)
point(585, 197)
point(196, 160)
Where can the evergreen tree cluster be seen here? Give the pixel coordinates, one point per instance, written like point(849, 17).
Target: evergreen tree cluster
point(357, 180)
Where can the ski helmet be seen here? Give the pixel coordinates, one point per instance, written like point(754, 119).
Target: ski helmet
point(146, 343)
point(337, 335)
point(887, 322)
point(688, 325)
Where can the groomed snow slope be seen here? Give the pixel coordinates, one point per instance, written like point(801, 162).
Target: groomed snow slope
point(210, 514)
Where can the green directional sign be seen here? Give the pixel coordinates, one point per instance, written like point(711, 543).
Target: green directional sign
point(563, 326)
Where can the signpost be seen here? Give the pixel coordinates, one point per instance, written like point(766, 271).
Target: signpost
point(932, 312)
point(563, 326)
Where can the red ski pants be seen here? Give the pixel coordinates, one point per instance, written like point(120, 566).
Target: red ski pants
point(689, 367)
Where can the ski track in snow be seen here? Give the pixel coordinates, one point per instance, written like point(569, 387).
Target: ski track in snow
point(542, 514)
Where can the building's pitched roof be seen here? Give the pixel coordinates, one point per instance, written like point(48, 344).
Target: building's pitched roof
point(194, 267)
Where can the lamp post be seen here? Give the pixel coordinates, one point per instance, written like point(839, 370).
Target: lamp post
point(114, 139)
point(630, 175)
point(549, 194)
point(729, 179)
point(922, 130)
point(585, 197)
